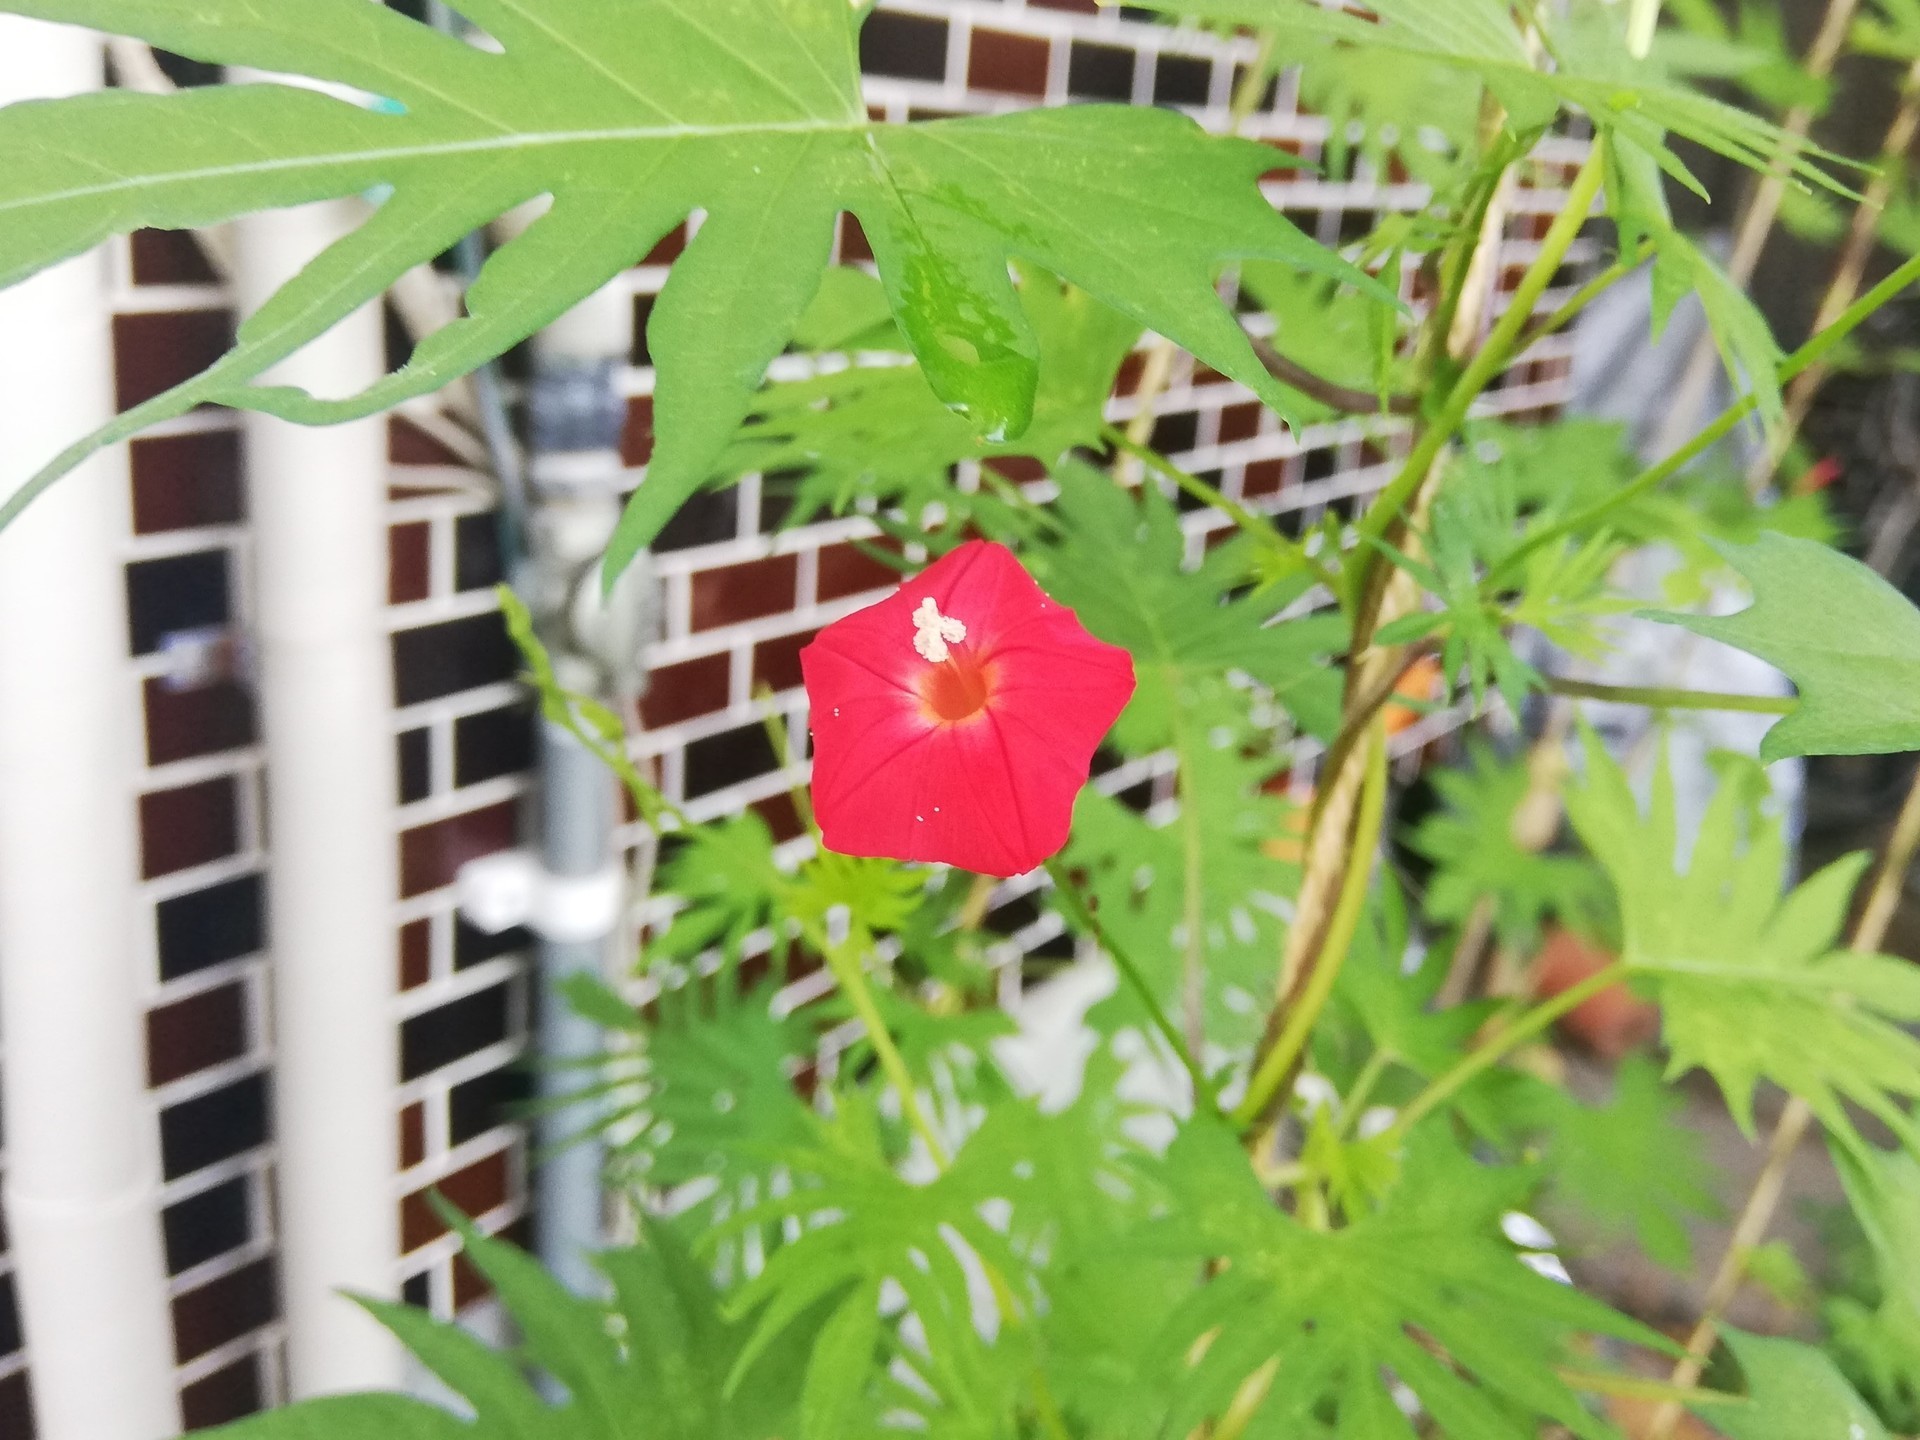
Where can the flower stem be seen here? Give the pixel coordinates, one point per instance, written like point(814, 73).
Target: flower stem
point(1485, 1056)
point(1278, 1066)
point(851, 976)
point(1661, 698)
point(1257, 527)
point(1131, 975)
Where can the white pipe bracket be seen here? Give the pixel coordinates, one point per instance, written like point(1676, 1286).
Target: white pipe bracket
point(497, 892)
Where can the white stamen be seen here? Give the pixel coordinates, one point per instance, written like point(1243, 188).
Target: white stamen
point(934, 632)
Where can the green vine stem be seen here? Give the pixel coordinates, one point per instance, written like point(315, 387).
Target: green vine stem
point(1485, 1056)
point(1131, 976)
point(1660, 698)
point(851, 976)
point(1282, 1059)
point(1256, 527)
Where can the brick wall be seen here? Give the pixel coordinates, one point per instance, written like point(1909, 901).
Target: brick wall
point(741, 598)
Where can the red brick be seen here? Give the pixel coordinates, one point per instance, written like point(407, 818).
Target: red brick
point(1013, 63)
point(481, 1187)
point(776, 662)
point(407, 444)
point(430, 855)
point(196, 1034)
point(169, 257)
point(668, 247)
point(182, 724)
point(636, 443)
point(223, 1310)
point(1239, 422)
point(181, 482)
point(413, 1135)
point(749, 591)
point(853, 241)
point(409, 563)
point(1021, 469)
point(846, 569)
point(416, 953)
point(154, 352)
point(680, 692)
point(189, 826)
point(1264, 477)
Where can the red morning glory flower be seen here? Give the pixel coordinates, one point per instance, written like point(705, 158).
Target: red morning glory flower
point(955, 720)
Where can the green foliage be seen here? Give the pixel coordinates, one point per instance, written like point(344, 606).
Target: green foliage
point(1477, 857)
point(651, 1365)
point(1793, 1391)
point(1751, 983)
point(1340, 1310)
point(628, 117)
point(1592, 69)
point(856, 1219)
point(1875, 1327)
point(1629, 1168)
point(1848, 640)
point(876, 432)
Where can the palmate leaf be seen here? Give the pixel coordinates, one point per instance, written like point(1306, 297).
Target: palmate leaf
point(1846, 638)
point(629, 115)
point(663, 1378)
point(1750, 982)
point(1426, 1291)
point(1592, 70)
point(1470, 841)
point(1629, 1167)
point(1119, 561)
point(878, 432)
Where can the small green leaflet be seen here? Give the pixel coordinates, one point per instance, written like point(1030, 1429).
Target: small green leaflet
point(1750, 982)
point(628, 115)
point(1846, 638)
point(1794, 1393)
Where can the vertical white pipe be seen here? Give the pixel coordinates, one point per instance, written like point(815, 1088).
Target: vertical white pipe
point(83, 1173)
point(318, 499)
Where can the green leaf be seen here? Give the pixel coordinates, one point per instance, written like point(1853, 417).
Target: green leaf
point(628, 116)
point(1794, 1393)
point(1470, 841)
point(1119, 561)
point(1427, 1274)
point(1592, 70)
point(1750, 982)
point(391, 1417)
point(1846, 638)
point(842, 1365)
point(1630, 1167)
point(878, 432)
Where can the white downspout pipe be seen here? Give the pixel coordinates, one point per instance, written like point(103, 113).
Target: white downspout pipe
point(83, 1170)
point(318, 500)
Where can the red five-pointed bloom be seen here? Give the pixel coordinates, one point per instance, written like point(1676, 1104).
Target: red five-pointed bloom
point(956, 719)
